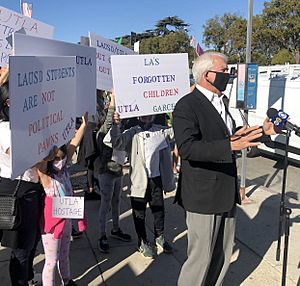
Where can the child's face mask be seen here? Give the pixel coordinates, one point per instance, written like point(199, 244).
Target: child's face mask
point(59, 164)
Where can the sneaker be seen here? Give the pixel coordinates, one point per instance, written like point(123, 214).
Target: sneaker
point(119, 234)
point(36, 280)
point(146, 250)
point(103, 244)
point(91, 196)
point(163, 244)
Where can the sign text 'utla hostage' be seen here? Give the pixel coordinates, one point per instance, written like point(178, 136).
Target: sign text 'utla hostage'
point(42, 109)
point(68, 207)
point(149, 84)
point(11, 22)
point(85, 100)
point(105, 48)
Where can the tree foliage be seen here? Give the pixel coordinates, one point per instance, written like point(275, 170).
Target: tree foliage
point(275, 35)
point(282, 57)
point(275, 29)
point(169, 25)
point(282, 19)
point(227, 34)
point(170, 35)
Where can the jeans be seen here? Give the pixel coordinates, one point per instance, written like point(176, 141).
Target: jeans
point(110, 190)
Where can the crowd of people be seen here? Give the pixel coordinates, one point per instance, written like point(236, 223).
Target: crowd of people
point(202, 134)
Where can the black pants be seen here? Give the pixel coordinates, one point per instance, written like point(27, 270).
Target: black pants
point(21, 265)
point(154, 196)
point(24, 240)
point(21, 262)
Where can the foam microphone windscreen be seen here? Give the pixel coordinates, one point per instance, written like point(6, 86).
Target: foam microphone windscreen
point(272, 112)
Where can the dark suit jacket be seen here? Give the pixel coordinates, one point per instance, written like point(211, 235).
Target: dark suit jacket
point(208, 183)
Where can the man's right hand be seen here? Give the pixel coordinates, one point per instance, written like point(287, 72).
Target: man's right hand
point(243, 138)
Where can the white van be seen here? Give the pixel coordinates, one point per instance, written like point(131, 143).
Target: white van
point(278, 87)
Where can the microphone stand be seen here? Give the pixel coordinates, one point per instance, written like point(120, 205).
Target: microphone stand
point(284, 216)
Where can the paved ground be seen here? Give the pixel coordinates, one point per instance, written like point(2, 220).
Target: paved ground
point(253, 261)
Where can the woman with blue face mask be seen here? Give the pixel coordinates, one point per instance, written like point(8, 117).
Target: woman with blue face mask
point(56, 234)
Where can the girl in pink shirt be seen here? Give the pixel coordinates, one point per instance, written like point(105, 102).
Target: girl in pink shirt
point(57, 231)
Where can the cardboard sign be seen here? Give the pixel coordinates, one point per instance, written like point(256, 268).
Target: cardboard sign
point(85, 65)
point(68, 207)
point(106, 48)
point(42, 111)
point(149, 84)
point(10, 22)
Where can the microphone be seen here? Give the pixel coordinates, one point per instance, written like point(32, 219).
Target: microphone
point(280, 120)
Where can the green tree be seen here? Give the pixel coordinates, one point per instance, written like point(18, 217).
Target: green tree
point(282, 20)
point(263, 47)
point(227, 34)
point(177, 42)
point(170, 35)
point(169, 25)
point(214, 34)
point(277, 28)
point(282, 57)
point(150, 46)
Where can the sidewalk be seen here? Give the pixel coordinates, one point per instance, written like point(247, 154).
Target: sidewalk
point(253, 261)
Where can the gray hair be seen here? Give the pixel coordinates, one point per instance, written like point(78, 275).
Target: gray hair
point(204, 63)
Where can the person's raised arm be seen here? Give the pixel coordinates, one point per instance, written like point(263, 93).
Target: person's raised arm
point(121, 141)
point(109, 116)
point(78, 136)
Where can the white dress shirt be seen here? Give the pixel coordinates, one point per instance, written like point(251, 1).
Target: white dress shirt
point(217, 102)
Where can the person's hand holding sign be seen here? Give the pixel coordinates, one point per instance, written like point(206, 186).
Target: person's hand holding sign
point(116, 118)
point(112, 98)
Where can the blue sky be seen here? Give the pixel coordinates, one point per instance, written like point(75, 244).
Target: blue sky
point(72, 19)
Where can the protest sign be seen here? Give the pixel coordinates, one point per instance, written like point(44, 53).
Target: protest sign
point(10, 22)
point(42, 113)
point(68, 207)
point(149, 84)
point(85, 65)
point(106, 48)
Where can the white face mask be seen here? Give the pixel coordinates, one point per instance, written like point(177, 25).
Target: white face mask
point(59, 164)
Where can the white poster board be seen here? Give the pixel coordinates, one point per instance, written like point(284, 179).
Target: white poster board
point(42, 111)
point(149, 84)
point(85, 65)
point(106, 48)
point(10, 22)
point(68, 207)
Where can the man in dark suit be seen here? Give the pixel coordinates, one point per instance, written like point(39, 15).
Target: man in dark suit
point(208, 185)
